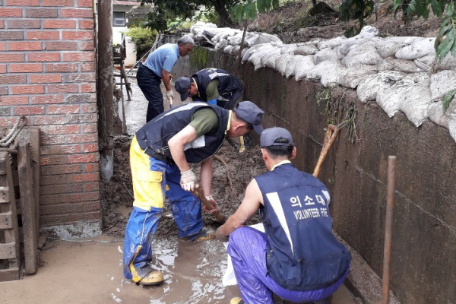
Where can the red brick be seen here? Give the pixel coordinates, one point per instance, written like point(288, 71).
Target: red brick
point(83, 178)
point(46, 78)
point(10, 12)
point(88, 67)
point(44, 99)
point(2, 24)
point(76, 13)
point(63, 109)
point(23, 24)
point(77, 35)
point(86, 46)
point(55, 189)
point(5, 57)
point(55, 220)
point(3, 91)
point(67, 3)
point(32, 110)
point(69, 139)
point(11, 35)
point(12, 79)
point(60, 129)
point(53, 199)
point(83, 158)
point(95, 167)
point(60, 149)
point(25, 46)
point(63, 169)
point(43, 35)
point(2, 46)
point(2, 68)
point(62, 88)
point(61, 46)
point(92, 108)
point(61, 209)
point(87, 77)
point(59, 24)
point(48, 120)
point(92, 128)
point(91, 148)
point(61, 67)
point(30, 89)
point(84, 197)
point(26, 68)
point(13, 100)
point(22, 2)
point(91, 187)
point(79, 56)
point(88, 88)
point(8, 122)
point(86, 3)
point(86, 24)
point(52, 160)
point(90, 206)
point(81, 118)
point(53, 180)
point(41, 13)
point(81, 98)
point(46, 56)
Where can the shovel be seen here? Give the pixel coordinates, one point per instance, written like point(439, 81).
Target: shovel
point(330, 137)
point(170, 99)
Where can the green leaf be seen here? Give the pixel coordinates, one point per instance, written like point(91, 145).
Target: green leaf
point(275, 3)
point(239, 12)
point(436, 8)
point(446, 45)
point(448, 99)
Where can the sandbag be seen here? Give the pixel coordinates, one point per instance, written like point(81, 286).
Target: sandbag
point(387, 47)
point(261, 38)
point(305, 49)
point(235, 39)
point(282, 62)
point(362, 54)
point(250, 51)
point(269, 61)
point(327, 72)
point(417, 49)
point(437, 115)
point(351, 77)
point(303, 65)
point(368, 33)
point(417, 98)
point(441, 83)
point(289, 69)
point(402, 65)
point(325, 54)
point(368, 88)
point(287, 48)
point(255, 58)
point(331, 43)
point(227, 49)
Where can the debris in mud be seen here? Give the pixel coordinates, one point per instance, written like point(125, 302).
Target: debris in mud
point(117, 195)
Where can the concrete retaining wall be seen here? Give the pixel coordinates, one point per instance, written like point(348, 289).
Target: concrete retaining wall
point(423, 268)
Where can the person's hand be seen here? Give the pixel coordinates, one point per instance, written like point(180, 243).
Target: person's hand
point(220, 236)
point(188, 180)
point(170, 94)
point(212, 201)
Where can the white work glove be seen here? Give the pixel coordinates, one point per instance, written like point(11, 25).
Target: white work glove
point(170, 94)
point(215, 207)
point(188, 180)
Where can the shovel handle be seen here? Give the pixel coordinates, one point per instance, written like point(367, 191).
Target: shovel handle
point(330, 137)
point(170, 99)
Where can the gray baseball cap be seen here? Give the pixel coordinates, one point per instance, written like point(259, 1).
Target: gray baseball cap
point(270, 135)
point(251, 113)
point(182, 86)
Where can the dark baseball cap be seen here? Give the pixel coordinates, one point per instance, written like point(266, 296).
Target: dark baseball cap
point(182, 86)
point(269, 136)
point(251, 113)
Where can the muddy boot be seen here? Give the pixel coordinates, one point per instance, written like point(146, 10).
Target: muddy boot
point(237, 300)
point(203, 235)
point(153, 278)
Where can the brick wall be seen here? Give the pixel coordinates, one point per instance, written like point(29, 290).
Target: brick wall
point(47, 73)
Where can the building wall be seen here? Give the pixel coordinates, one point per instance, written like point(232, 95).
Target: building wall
point(423, 256)
point(47, 73)
point(130, 58)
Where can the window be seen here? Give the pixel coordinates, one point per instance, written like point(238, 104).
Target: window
point(119, 19)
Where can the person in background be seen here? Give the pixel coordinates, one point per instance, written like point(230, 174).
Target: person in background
point(157, 68)
point(212, 85)
point(298, 257)
point(160, 154)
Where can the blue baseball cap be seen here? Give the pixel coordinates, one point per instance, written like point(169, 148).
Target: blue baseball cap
point(251, 113)
point(271, 135)
point(182, 86)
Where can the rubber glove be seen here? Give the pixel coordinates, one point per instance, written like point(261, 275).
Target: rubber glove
point(188, 180)
point(170, 94)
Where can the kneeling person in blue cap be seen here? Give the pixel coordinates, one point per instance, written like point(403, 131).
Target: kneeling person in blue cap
point(215, 86)
point(298, 257)
point(160, 154)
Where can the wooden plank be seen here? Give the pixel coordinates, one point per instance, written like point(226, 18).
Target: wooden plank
point(35, 146)
point(9, 274)
point(10, 235)
point(5, 220)
point(30, 239)
point(4, 195)
point(7, 251)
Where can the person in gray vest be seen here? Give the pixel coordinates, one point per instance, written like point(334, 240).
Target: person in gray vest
point(157, 68)
point(298, 257)
point(212, 85)
point(160, 156)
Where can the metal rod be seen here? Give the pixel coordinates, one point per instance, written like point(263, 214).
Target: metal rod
point(388, 227)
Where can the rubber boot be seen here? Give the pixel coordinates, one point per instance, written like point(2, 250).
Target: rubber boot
point(153, 278)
